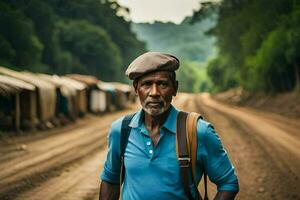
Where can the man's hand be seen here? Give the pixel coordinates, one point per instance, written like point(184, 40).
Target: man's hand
point(225, 195)
point(109, 191)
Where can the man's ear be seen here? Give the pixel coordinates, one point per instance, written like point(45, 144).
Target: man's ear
point(135, 86)
point(175, 88)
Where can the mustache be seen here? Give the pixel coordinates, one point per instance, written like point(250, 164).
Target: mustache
point(159, 101)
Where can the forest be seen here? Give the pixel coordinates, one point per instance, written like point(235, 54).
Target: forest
point(252, 44)
point(258, 44)
point(188, 42)
point(60, 37)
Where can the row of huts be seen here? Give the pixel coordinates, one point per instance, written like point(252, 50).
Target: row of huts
point(29, 100)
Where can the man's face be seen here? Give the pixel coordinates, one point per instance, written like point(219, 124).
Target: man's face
point(155, 92)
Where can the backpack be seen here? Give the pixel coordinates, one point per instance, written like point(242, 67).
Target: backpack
point(186, 150)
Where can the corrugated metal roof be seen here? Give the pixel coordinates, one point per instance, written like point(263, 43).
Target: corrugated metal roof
point(87, 79)
point(39, 82)
point(10, 85)
point(47, 91)
point(105, 86)
point(122, 87)
point(28, 77)
point(76, 84)
point(6, 90)
point(66, 88)
point(55, 80)
point(13, 82)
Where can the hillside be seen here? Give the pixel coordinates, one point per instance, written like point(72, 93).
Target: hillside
point(286, 104)
point(187, 41)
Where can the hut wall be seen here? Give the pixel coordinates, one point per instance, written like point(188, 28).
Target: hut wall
point(28, 107)
point(47, 103)
point(82, 102)
point(94, 101)
point(102, 101)
point(111, 99)
point(98, 101)
point(6, 112)
point(17, 113)
point(121, 100)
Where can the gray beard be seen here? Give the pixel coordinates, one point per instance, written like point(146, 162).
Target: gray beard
point(154, 111)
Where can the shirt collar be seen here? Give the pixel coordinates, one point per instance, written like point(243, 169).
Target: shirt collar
point(170, 123)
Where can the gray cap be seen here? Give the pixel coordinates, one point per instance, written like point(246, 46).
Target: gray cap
point(150, 62)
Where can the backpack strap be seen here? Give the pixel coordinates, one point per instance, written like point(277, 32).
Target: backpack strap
point(192, 121)
point(125, 132)
point(186, 149)
point(182, 153)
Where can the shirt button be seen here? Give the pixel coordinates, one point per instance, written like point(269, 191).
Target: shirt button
point(151, 151)
point(148, 143)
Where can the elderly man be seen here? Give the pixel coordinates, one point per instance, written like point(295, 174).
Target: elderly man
point(151, 167)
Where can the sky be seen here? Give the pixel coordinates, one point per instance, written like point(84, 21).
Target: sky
point(160, 10)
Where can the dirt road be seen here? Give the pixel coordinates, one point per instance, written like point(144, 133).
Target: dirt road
point(264, 147)
point(65, 163)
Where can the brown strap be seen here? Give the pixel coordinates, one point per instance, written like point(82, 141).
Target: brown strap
point(187, 151)
point(191, 127)
point(182, 153)
point(192, 121)
point(122, 173)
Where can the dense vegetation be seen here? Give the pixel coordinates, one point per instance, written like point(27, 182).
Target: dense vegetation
point(258, 42)
point(70, 36)
point(188, 42)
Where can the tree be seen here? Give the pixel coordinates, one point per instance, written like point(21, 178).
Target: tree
point(104, 14)
point(92, 47)
point(44, 20)
point(257, 41)
point(32, 37)
point(18, 36)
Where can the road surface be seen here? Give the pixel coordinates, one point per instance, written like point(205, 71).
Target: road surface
point(65, 163)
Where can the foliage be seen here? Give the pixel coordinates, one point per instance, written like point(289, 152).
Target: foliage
point(92, 47)
point(18, 36)
point(105, 15)
point(257, 42)
point(188, 42)
point(193, 78)
point(67, 37)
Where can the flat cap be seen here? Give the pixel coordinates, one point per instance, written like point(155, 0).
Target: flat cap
point(150, 62)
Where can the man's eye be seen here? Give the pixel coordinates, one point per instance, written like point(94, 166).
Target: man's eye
point(147, 83)
point(163, 84)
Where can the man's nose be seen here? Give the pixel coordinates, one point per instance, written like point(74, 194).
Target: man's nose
point(154, 90)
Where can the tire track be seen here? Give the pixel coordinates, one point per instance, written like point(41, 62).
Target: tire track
point(76, 182)
point(52, 154)
point(261, 163)
point(282, 142)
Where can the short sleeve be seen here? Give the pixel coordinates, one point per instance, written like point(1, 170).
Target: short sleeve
point(215, 159)
point(111, 169)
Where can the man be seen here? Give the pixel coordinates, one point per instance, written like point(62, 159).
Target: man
point(151, 167)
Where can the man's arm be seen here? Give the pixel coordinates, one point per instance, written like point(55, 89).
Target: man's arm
point(109, 191)
point(110, 176)
point(217, 164)
point(225, 195)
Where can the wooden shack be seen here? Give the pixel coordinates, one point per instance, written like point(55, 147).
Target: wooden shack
point(96, 98)
point(110, 103)
point(81, 97)
point(17, 104)
point(125, 94)
point(46, 94)
point(66, 95)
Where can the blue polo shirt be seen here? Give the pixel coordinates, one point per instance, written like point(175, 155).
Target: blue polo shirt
point(152, 172)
